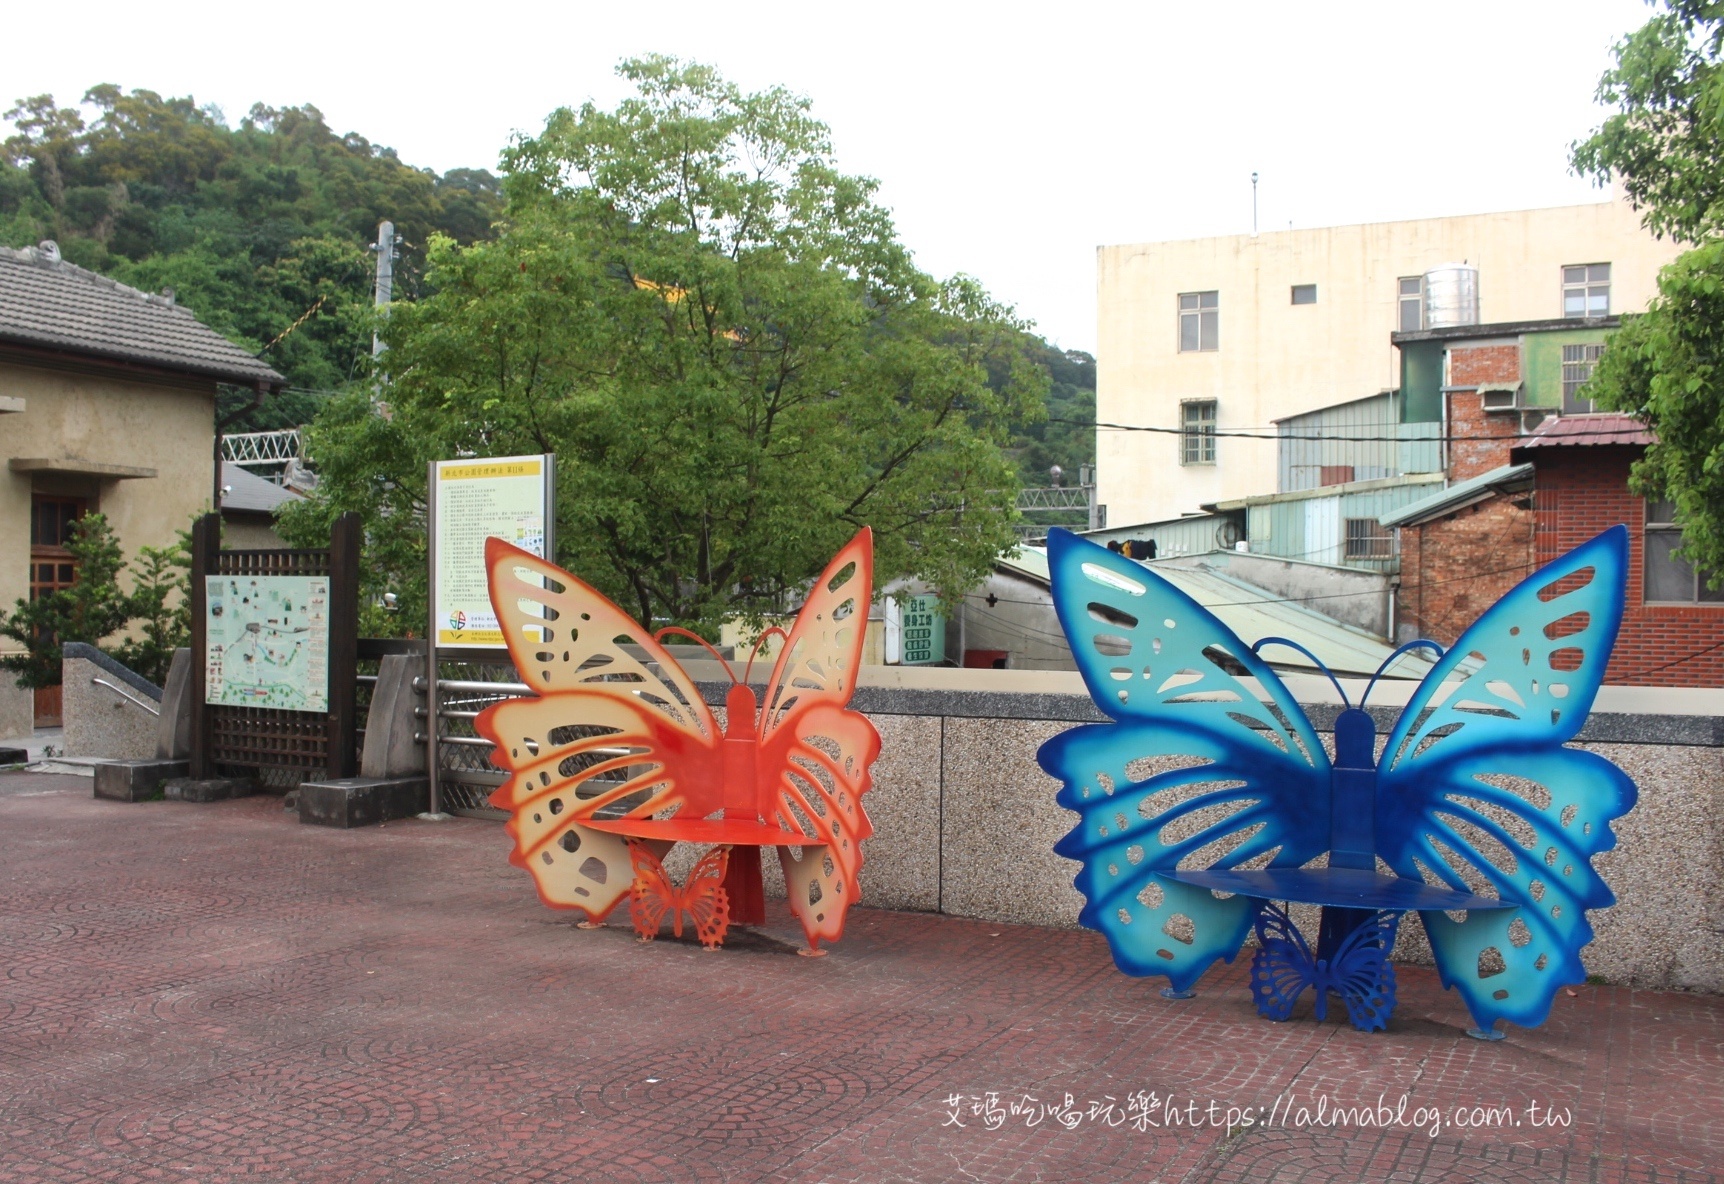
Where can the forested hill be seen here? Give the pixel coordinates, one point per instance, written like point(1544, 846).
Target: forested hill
point(263, 231)
point(253, 226)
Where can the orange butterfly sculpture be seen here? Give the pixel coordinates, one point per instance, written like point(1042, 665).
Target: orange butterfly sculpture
point(618, 757)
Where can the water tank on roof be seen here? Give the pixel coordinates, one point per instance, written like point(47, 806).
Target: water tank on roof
point(1451, 296)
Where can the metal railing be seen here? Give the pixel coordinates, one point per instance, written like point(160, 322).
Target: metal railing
point(128, 696)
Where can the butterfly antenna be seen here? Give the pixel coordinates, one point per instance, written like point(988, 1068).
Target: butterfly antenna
point(1422, 643)
point(758, 642)
point(722, 660)
point(1314, 658)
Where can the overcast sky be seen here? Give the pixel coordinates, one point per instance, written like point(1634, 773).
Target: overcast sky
point(1009, 140)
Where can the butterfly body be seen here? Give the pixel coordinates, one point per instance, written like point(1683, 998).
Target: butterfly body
point(617, 749)
point(1209, 793)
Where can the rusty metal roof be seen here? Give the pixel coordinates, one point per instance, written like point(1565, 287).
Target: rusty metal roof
point(1573, 431)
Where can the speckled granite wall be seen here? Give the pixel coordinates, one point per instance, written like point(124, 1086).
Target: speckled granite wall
point(965, 822)
point(102, 721)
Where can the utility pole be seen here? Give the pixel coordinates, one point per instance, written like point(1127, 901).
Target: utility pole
point(387, 241)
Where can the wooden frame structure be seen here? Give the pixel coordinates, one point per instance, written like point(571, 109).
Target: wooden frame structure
point(229, 740)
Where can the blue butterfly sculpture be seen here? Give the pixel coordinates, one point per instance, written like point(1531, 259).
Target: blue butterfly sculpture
point(1208, 796)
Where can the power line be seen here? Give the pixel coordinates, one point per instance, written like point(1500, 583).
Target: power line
point(1253, 434)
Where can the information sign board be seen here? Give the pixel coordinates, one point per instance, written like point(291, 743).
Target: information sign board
point(507, 497)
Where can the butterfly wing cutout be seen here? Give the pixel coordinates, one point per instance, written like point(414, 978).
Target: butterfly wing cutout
point(651, 894)
point(815, 754)
point(1476, 791)
point(605, 736)
point(1362, 974)
point(1196, 771)
point(1283, 967)
point(704, 899)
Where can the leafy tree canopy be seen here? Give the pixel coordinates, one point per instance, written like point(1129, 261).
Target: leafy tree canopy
point(253, 227)
point(1665, 147)
point(1663, 142)
point(721, 337)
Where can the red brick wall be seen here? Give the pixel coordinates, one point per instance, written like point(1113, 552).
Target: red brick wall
point(1478, 442)
point(1584, 490)
point(1484, 363)
point(1454, 568)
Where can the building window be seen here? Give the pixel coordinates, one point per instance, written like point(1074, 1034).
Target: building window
point(1671, 579)
point(1369, 539)
point(1586, 290)
point(1578, 362)
point(1197, 432)
point(1412, 303)
point(1199, 321)
point(1304, 293)
point(51, 518)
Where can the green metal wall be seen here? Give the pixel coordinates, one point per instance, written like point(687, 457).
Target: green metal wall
point(1541, 361)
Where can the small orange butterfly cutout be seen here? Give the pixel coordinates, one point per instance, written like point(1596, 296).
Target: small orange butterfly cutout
point(617, 757)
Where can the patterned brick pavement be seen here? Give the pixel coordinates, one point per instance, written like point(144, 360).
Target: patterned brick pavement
point(212, 993)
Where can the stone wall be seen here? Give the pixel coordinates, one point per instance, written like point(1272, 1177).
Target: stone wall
point(104, 707)
point(965, 820)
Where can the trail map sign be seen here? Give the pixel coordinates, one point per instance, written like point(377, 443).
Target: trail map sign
point(502, 497)
point(267, 642)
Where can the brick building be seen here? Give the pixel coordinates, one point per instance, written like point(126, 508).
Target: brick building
point(1672, 624)
point(1464, 546)
point(1532, 471)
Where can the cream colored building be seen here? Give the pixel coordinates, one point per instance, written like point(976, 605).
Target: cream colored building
point(1243, 330)
point(107, 403)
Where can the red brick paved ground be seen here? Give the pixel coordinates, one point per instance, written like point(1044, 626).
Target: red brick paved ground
point(209, 993)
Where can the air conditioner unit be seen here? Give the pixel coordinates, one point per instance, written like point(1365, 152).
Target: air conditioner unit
point(1500, 399)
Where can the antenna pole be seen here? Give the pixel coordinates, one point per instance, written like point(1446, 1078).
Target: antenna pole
point(1253, 205)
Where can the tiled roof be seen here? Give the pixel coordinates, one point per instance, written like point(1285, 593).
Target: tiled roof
point(47, 302)
point(1570, 431)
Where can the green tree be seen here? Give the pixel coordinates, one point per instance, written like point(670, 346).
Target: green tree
point(92, 609)
point(161, 606)
point(1665, 147)
point(724, 342)
point(1662, 144)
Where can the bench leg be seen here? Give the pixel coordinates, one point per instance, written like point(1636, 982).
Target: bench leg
point(702, 897)
point(1352, 960)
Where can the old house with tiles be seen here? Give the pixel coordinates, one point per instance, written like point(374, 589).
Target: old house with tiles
point(107, 402)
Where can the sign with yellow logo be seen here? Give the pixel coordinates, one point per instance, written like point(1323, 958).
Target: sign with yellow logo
point(508, 497)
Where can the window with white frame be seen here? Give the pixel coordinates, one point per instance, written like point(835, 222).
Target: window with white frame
point(1199, 322)
point(1586, 290)
point(1669, 578)
point(1411, 307)
point(1197, 432)
point(1578, 363)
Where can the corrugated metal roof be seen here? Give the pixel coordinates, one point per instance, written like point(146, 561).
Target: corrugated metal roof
point(1254, 613)
point(48, 302)
point(1571, 431)
point(1458, 495)
point(245, 492)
